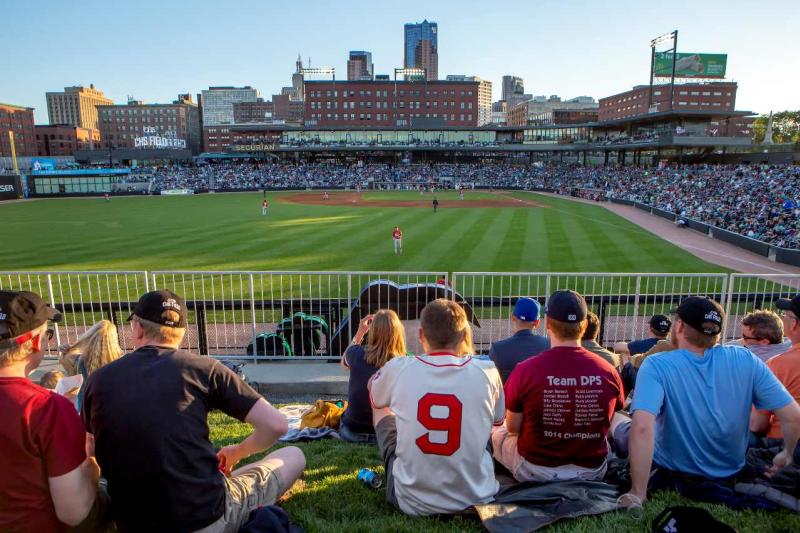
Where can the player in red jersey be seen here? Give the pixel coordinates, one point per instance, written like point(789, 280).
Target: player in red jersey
point(264, 207)
point(397, 238)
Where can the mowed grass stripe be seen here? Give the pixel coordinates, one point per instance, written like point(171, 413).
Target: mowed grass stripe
point(510, 238)
point(478, 256)
point(451, 246)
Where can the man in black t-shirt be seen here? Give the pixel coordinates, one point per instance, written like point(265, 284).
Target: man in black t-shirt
point(146, 414)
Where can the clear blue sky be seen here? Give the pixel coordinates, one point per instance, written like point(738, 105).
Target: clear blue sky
point(154, 50)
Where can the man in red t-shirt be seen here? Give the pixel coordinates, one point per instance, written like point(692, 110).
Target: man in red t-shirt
point(47, 482)
point(264, 207)
point(559, 404)
point(397, 238)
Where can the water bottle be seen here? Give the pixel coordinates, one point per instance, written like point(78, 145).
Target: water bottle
point(370, 478)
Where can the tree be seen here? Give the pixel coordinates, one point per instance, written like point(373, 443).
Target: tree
point(785, 127)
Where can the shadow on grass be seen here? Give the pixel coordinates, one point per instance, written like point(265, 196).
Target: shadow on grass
point(329, 498)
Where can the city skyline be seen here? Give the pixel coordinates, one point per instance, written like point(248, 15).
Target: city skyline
point(134, 50)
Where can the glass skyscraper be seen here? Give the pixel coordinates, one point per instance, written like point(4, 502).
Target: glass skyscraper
point(414, 34)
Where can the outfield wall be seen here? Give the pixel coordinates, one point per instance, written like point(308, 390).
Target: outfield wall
point(230, 310)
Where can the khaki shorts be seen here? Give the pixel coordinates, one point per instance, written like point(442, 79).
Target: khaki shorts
point(256, 487)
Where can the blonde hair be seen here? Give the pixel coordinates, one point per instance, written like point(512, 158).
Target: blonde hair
point(50, 379)
point(19, 352)
point(16, 353)
point(163, 334)
point(386, 339)
point(443, 322)
point(97, 347)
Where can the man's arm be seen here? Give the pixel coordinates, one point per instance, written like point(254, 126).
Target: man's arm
point(268, 426)
point(513, 422)
point(759, 420)
point(789, 417)
point(73, 493)
point(641, 444)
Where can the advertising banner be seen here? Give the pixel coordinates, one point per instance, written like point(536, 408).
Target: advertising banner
point(690, 65)
point(10, 188)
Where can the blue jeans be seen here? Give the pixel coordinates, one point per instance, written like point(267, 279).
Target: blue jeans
point(349, 435)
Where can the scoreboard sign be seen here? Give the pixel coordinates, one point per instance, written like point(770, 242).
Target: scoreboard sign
point(10, 188)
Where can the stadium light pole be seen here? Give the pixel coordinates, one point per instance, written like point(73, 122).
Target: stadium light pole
point(672, 36)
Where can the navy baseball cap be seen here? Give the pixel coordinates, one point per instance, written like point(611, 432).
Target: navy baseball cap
point(527, 309)
point(152, 307)
point(793, 305)
point(566, 306)
point(660, 323)
point(702, 313)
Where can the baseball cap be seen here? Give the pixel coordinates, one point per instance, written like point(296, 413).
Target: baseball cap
point(21, 312)
point(660, 323)
point(566, 306)
point(793, 305)
point(702, 313)
point(527, 309)
point(152, 305)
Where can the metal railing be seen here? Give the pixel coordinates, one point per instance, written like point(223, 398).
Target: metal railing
point(234, 313)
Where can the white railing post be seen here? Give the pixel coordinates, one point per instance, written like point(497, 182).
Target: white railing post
point(253, 317)
point(53, 305)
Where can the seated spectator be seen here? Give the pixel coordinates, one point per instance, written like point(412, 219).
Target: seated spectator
point(559, 404)
point(97, 347)
point(659, 329)
point(691, 406)
point(632, 363)
point(762, 334)
point(385, 341)
point(147, 413)
point(786, 368)
point(589, 340)
point(47, 482)
point(433, 417)
point(50, 379)
point(524, 343)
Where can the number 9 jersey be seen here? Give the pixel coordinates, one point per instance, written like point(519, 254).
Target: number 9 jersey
point(445, 407)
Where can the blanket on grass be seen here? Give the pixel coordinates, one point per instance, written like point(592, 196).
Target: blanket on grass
point(293, 414)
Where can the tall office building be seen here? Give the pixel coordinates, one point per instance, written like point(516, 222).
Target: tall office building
point(512, 85)
point(218, 103)
point(484, 96)
point(359, 66)
point(422, 48)
point(76, 106)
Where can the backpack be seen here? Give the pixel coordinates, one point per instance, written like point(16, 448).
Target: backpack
point(683, 518)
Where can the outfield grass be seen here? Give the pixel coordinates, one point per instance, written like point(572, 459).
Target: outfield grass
point(330, 499)
point(227, 232)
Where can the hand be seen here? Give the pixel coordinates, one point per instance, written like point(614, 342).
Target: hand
point(363, 328)
point(229, 456)
point(631, 499)
point(782, 460)
point(92, 469)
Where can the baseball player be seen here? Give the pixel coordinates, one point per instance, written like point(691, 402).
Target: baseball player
point(435, 205)
point(461, 192)
point(325, 195)
point(264, 207)
point(397, 238)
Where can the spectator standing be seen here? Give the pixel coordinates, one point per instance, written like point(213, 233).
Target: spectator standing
point(559, 404)
point(691, 406)
point(147, 413)
point(385, 341)
point(523, 343)
point(47, 482)
point(433, 416)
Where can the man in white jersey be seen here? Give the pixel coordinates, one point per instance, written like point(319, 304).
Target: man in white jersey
point(433, 416)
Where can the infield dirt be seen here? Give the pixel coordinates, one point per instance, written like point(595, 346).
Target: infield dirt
point(356, 199)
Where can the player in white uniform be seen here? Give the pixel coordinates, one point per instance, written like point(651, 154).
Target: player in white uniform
point(433, 416)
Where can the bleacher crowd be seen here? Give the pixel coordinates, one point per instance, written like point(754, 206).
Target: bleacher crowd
point(124, 439)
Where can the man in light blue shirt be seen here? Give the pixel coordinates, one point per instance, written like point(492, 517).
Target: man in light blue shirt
point(691, 406)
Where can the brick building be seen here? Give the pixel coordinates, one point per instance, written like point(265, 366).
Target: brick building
point(139, 125)
point(253, 112)
point(715, 96)
point(76, 106)
point(369, 104)
point(20, 121)
point(527, 112)
point(65, 139)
